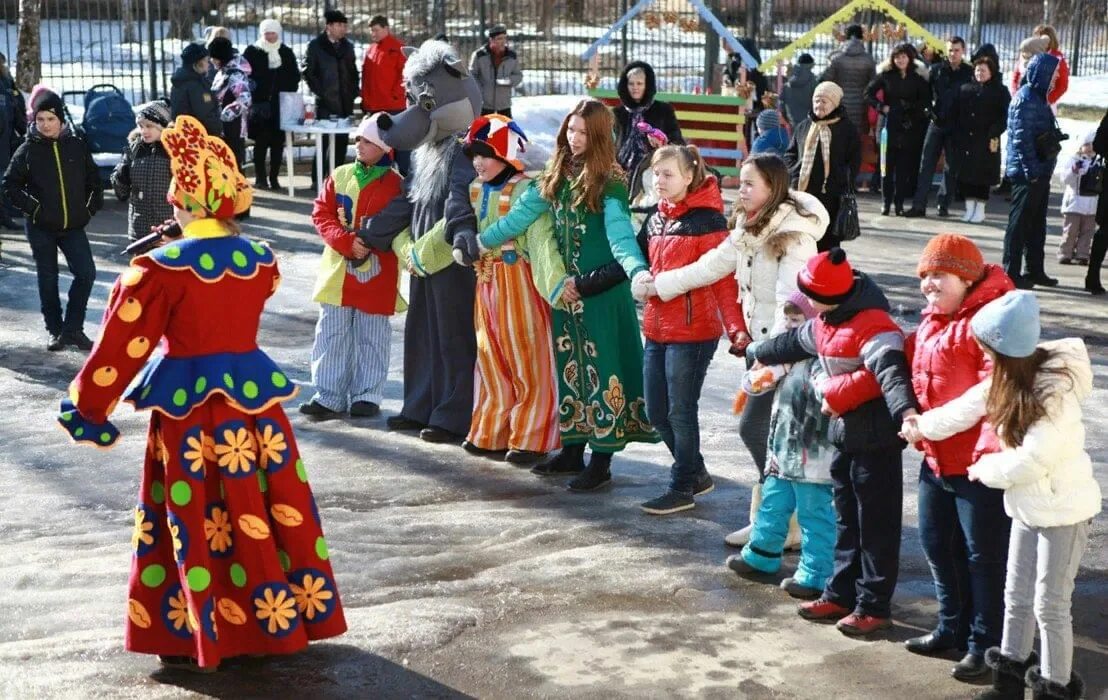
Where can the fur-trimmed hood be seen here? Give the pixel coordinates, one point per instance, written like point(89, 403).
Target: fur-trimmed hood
point(807, 218)
point(887, 65)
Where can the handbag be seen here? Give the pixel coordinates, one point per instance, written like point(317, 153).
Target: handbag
point(1049, 143)
point(846, 226)
point(1091, 183)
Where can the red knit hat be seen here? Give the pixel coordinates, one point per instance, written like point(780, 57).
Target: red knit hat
point(827, 277)
point(950, 252)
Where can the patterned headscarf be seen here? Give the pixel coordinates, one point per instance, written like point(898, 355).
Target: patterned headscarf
point(206, 180)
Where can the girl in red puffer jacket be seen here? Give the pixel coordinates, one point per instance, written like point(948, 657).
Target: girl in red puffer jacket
point(682, 333)
point(962, 524)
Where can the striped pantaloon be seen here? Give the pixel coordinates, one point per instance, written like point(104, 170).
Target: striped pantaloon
point(515, 402)
point(350, 356)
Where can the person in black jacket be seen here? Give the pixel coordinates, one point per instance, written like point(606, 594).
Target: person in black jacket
point(273, 69)
point(947, 78)
point(54, 181)
point(978, 117)
point(637, 105)
point(332, 76)
point(905, 100)
point(191, 91)
point(13, 126)
point(808, 170)
point(1100, 238)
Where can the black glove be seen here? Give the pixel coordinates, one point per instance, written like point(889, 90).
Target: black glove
point(466, 250)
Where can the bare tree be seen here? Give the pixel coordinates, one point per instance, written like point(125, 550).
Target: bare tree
point(28, 56)
point(182, 15)
point(546, 18)
point(575, 10)
point(127, 12)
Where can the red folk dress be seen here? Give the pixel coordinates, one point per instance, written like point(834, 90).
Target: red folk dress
point(229, 555)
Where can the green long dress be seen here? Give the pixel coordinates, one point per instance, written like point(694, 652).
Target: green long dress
point(597, 341)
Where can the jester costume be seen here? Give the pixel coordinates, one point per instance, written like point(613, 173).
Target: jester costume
point(597, 343)
point(229, 555)
point(350, 355)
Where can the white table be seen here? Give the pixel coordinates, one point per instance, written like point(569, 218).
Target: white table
point(317, 129)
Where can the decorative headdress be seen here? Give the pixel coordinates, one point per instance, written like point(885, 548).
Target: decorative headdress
point(206, 179)
point(498, 137)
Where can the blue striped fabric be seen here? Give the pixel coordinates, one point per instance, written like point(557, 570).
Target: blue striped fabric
point(350, 356)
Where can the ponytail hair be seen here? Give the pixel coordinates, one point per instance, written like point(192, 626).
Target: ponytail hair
point(688, 160)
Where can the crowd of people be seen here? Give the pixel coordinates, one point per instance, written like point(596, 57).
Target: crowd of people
point(525, 292)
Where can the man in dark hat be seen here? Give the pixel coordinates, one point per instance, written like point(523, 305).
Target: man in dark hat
point(495, 67)
point(332, 76)
point(191, 92)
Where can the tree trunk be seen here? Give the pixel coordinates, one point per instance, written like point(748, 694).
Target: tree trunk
point(575, 10)
point(181, 17)
point(546, 19)
point(127, 12)
point(28, 56)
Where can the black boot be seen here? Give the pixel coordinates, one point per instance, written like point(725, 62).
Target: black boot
point(570, 460)
point(597, 475)
point(1046, 689)
point(274, 169)
point(1096, 259)
point(1008, 676)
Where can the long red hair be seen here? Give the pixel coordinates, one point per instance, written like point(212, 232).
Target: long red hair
point(598, 164)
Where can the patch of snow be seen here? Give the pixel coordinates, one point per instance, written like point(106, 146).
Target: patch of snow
point(1086, 91)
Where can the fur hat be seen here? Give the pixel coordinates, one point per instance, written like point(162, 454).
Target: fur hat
point(496, 136)
point(156, 111)
point(831, 91)
point(827, 277)
point(221, 49)
point(335, 16)
point(206, 179)
point(1033, 45)
point(1009, 325)
point(950, 252)
point(46, 100)
point(806, 59)
point(496, 30)
point(369, 131)
point(193, 53)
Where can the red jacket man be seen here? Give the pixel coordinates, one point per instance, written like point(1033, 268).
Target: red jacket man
point(382, 70)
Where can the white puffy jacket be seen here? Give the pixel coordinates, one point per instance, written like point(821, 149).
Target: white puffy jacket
point(1048, 479)
point(765, 265)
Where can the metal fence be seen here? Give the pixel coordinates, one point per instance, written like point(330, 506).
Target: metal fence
point(134, 44)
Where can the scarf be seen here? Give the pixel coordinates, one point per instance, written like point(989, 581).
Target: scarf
point(272, 50)
point(818, 135)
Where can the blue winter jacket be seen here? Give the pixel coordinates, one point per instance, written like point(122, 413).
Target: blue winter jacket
point(772, 141)
point(1029, 116)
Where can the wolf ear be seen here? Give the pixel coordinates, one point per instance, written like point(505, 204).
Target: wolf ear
point(408, 51)
point(456, 68)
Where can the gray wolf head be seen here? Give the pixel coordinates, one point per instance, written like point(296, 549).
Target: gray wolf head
point(443, 98)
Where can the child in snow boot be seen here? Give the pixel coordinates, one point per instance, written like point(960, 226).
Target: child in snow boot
point(854, 331)
point(141, 178)
point(356, 288)
point(798, 475)
point(1078, 209)
point(54, 181)
point(1033, 399)
point(682, 334)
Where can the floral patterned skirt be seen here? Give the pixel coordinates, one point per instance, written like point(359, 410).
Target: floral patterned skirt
point(229, 555)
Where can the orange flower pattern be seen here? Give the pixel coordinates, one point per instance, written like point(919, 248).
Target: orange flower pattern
point(312, 595)
point(217, 530)
point(271, 445)
point(275, 608)
point(236, 453)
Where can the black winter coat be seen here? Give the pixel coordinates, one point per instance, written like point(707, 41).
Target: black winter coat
point(142, 177)
point(945, 84)
point(332, 75)
point(192, 95)
point(659, 115)
point(846, 155)
point(268, 84)
point(54, 182)
point(909, 100)
point(1100, 145)
point(978, 115)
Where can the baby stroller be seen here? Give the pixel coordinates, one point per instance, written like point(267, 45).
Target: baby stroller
point(107, 118)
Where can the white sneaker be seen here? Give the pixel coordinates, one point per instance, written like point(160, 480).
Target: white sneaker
point(739, 538)
point(978, 212)
point(968, 214)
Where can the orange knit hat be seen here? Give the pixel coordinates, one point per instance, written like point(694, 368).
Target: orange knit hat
point(953, 253)
point(206, 179)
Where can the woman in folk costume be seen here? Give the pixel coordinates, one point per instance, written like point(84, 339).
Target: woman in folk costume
point(229, 553)
point(357, 287)
point(597, 343)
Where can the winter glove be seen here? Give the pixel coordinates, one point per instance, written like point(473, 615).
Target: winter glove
point(642, 286)
point(467, 247)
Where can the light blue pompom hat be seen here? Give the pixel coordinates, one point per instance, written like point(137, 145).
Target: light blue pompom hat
point(1009, 325)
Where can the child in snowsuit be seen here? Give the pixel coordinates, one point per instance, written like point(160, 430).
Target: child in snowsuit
point(1078, 210)
point(1049, 487)
point(854, 331)
point(54, 181)
point(142, 176)
point(798, 477)
point(771, 136)
point(682, 334)
point(356, 288)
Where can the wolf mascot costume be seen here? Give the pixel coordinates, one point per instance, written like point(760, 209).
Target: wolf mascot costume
point(439, 342)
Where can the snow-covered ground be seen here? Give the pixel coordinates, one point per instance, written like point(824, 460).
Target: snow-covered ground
point(1087, 91)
